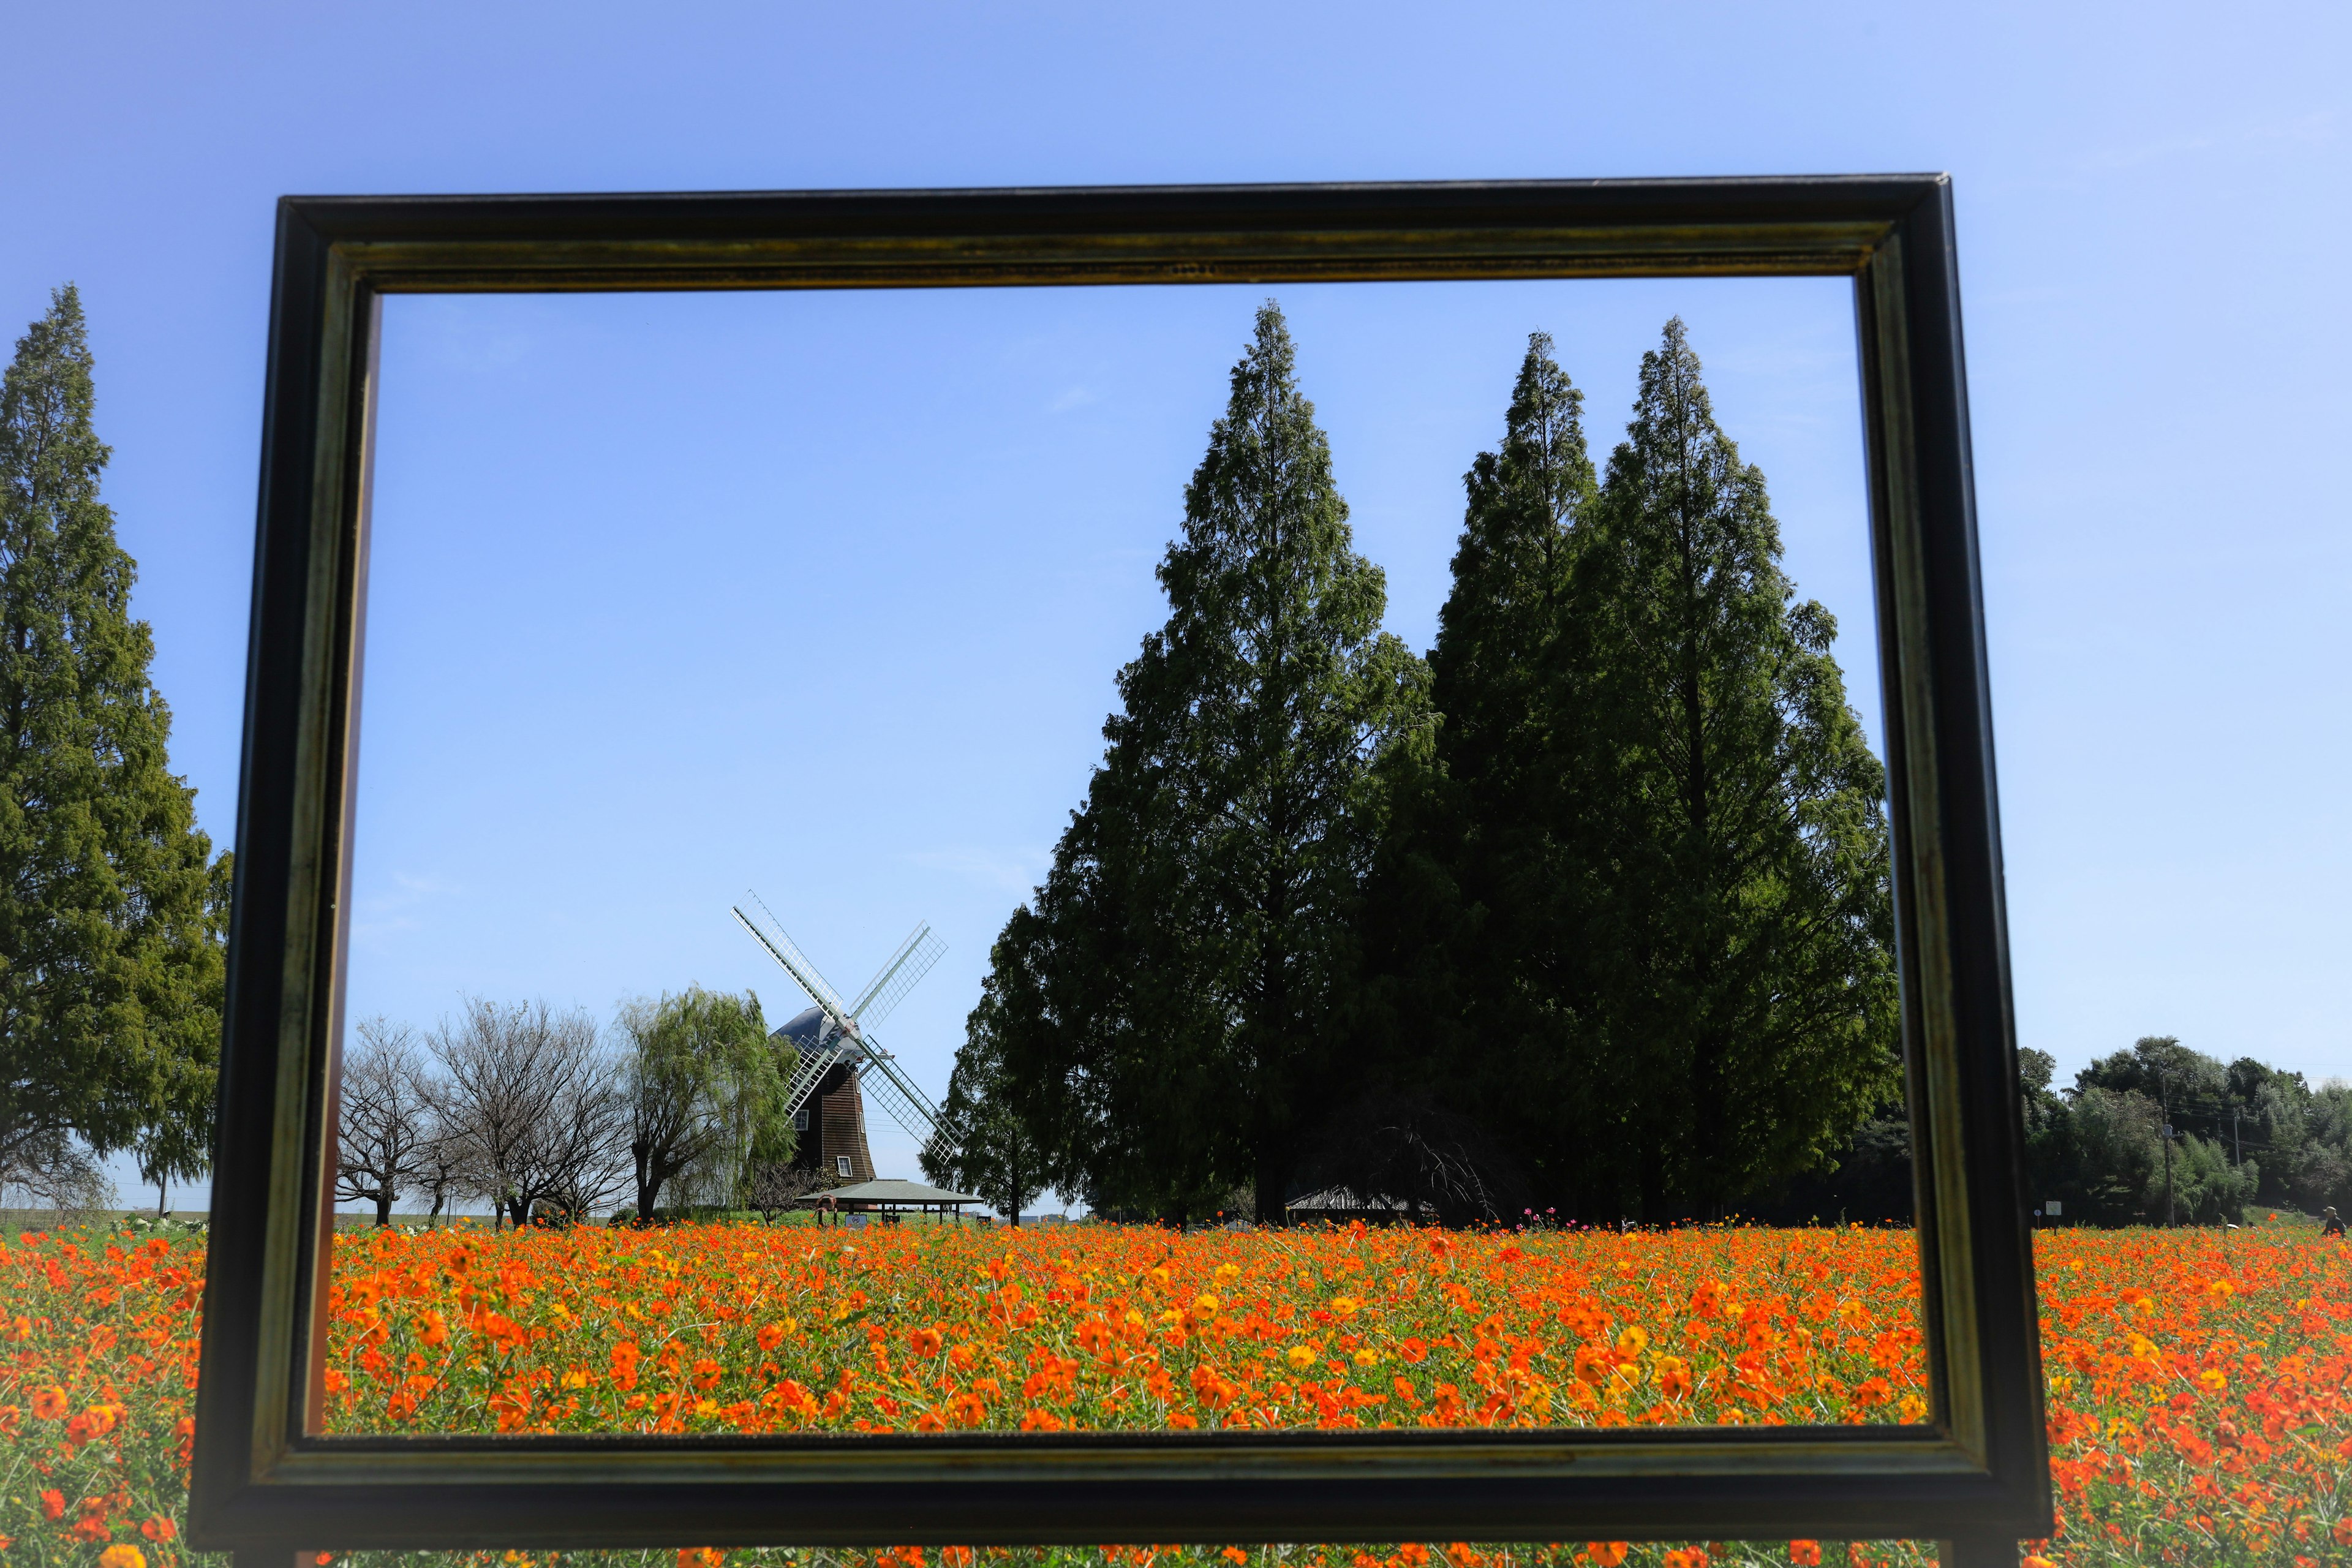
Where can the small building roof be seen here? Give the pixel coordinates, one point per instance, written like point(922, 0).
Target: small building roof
point(888, 1190)
point(1340, 1199)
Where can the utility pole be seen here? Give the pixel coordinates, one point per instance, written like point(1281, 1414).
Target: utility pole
point(2164, 1104)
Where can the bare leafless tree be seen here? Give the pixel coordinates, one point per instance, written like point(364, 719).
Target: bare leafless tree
point(777, 1186)
point(582, 1150)
point(1405, 1152)
point(51, 1171)
point(531, 1099)
point(384, 1117)
point(444, 1163)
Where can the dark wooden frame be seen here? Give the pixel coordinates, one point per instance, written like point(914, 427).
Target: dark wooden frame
point(267, 1482)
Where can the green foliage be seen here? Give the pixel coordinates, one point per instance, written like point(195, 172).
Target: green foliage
point(705, 1086)
point(112, 907)
point(2247, 1135)
point(1172, 993)
point(984, 1145)
point(1648, 876)
point(1745, 978)
point(1476, 939)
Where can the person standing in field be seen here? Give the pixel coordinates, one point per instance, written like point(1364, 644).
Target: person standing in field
point(2332, 1223)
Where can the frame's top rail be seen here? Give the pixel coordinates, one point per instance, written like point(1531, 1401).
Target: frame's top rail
point(1273, 233)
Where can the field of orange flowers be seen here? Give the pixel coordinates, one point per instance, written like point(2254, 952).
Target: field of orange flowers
point(2198, 1405)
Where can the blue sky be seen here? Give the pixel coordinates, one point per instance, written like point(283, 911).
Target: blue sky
point(2151, 206)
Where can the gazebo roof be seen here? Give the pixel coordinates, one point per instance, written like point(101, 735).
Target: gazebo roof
point(890, 1191)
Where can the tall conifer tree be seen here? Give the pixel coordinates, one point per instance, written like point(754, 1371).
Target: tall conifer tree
point(1171, 997)
point(109, 956)
point(1744, 971)
point(1499, 984)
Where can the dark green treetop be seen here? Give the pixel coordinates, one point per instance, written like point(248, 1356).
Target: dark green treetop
point(985, 1145)
point(1511, 575)
point(110, 968)
point(1473, 935)
point(1743, 963)
point(1196, 925)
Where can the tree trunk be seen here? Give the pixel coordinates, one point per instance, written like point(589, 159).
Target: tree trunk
point(1271, 1191)
point(384, 1206)
point(648, 1181)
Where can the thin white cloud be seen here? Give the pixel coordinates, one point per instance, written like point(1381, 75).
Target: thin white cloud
point(2310, 130)
point(1016, 870)
point(390, 913)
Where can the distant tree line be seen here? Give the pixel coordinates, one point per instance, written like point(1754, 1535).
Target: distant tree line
point(1587, 914)
point(114, 907)
point(2242, 1135)
point(536, 1112)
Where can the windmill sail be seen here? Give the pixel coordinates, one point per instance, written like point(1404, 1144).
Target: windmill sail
point(909, 964)
point(780, 947)
point(843, 1037)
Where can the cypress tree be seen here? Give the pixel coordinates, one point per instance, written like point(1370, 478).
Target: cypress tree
point(1511, 580)
point(109, 946)
point(1473, 1002)
point(1743, 975)
point(1173, 995)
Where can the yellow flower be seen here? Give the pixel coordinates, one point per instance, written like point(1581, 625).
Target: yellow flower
point(1205, 1305)
point(2214, 1379)
point(1633, 1341)
point(122, 1556)
point(1368, 1358)
point(1300, 1358)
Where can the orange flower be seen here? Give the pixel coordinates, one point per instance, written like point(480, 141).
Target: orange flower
point(91, 1424)
point(1608, 1554)
point(1805, 1554)
point(771, 1335)
point(699, 1557)
point(53, 1505)
point(49, 1402)
point(124, 1556)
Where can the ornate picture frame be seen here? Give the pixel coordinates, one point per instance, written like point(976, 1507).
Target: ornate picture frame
point(268, 1481)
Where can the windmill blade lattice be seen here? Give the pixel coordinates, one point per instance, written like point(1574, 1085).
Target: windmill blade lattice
point(909, 964)
point(843, 1036)
point(780, 947)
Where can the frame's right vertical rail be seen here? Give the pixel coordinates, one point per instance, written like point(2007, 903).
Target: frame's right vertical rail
point(1976, 1263)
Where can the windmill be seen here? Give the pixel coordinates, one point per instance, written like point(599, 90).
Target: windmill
point(840, 1062)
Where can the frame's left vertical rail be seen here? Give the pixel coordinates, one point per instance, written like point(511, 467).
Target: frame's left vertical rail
point(258, 1383)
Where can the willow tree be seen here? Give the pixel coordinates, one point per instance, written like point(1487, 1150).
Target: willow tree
point(704, 1083)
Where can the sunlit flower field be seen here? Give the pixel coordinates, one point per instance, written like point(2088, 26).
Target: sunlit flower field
point(2198, 1405)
